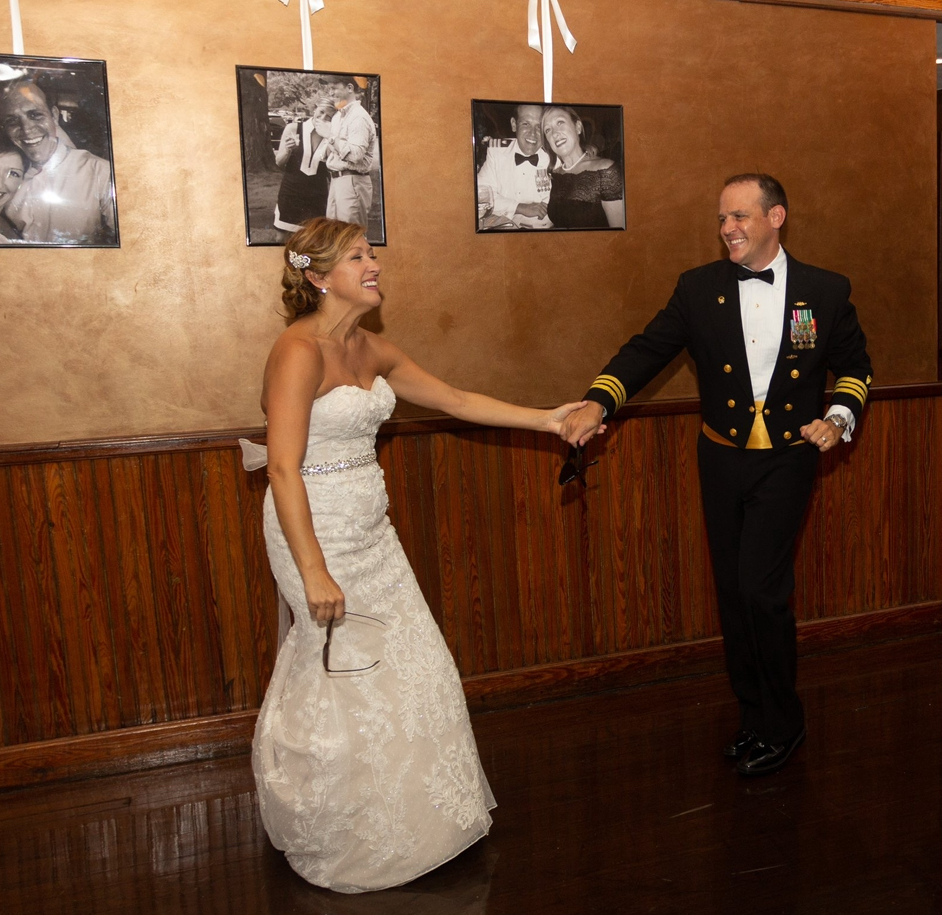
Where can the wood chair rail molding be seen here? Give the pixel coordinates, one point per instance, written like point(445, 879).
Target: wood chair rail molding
point(40, 452)
point(920, 9)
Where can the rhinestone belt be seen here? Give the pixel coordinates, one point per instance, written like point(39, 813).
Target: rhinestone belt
point(362, 460)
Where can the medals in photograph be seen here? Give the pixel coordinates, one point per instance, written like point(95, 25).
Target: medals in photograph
point(804, 327)
point(544, 184)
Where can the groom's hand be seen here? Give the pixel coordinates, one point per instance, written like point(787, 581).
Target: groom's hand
point(580, 425)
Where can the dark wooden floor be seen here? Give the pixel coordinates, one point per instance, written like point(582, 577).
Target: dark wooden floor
point(617, 803)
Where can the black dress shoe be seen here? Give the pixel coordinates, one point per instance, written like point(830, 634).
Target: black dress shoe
point(764, 758)
point(739, 744)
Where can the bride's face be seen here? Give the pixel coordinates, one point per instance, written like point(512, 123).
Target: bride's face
point(356, 278)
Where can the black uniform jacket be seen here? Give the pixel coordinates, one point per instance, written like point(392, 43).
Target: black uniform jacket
point(703, 316)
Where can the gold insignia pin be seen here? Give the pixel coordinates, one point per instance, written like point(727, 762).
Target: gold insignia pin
point(722, 299)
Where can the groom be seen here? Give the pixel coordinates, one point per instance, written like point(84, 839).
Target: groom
point(763, 330)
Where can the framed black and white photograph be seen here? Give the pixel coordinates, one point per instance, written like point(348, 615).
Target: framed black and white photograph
point(56, 163)
point(542, 167)
point(311, 144)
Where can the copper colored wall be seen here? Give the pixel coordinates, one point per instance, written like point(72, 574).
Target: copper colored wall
point(928, 9)
point(169, 333)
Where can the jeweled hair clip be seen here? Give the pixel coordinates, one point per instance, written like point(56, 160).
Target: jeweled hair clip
point(299, 261)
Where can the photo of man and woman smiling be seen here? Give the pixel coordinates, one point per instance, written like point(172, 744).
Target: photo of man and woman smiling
point(548, 166)
point(56, 176)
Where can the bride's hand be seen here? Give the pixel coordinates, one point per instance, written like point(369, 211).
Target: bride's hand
point(325, 600)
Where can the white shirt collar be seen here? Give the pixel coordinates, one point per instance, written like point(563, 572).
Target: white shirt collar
point(777, 263)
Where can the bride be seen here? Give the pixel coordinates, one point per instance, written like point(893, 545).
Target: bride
point(366, 767)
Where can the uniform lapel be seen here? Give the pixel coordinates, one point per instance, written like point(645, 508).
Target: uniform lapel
point(727, 324)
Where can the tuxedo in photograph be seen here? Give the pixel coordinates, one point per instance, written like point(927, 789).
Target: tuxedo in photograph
point(515, 178)
point(756, 471)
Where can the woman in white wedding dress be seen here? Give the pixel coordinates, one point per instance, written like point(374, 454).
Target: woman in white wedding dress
point(366, 767)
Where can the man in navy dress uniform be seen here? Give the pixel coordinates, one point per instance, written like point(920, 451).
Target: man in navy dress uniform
point(763, 330)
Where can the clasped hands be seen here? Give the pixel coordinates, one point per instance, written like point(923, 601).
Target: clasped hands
point(534, 210)
point(582, 423)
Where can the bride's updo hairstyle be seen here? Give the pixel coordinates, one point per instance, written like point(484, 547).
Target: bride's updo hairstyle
point(316, 248)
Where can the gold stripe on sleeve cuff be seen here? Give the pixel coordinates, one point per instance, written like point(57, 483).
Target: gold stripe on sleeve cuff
point(611, 385)
point(852, 386)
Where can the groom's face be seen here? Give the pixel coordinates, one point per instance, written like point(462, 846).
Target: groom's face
point(750, 234)
point(30, 124)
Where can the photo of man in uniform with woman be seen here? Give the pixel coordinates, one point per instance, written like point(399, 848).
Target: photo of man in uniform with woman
point(552, 166)
point(310, 147)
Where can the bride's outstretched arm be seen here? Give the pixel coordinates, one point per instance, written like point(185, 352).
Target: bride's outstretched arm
point(411, 382)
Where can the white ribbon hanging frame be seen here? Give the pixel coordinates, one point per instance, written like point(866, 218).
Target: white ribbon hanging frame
point(533, 39)
point(16, 27)
point(308, 8)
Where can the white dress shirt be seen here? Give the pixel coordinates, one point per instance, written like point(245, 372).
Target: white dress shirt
point(512, 184)
point(762, 307)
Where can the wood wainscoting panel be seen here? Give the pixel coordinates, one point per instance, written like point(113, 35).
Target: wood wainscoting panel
point(135, 592)
point(871, 538)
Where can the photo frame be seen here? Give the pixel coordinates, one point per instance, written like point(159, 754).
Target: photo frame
point(56, 162)
point(547, 167)
point(311, 146)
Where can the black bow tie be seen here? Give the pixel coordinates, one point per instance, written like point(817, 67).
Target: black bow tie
point(520, 159)
point(744, 273)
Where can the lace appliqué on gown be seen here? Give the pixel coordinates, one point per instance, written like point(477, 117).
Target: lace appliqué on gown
point(364, 780)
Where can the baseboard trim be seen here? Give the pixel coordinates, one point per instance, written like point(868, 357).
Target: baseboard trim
point(127, 750)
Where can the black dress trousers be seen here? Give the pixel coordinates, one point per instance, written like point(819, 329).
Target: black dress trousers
point(754, 502)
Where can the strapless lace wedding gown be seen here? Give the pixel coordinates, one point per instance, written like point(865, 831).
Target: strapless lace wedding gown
point(365, 780)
